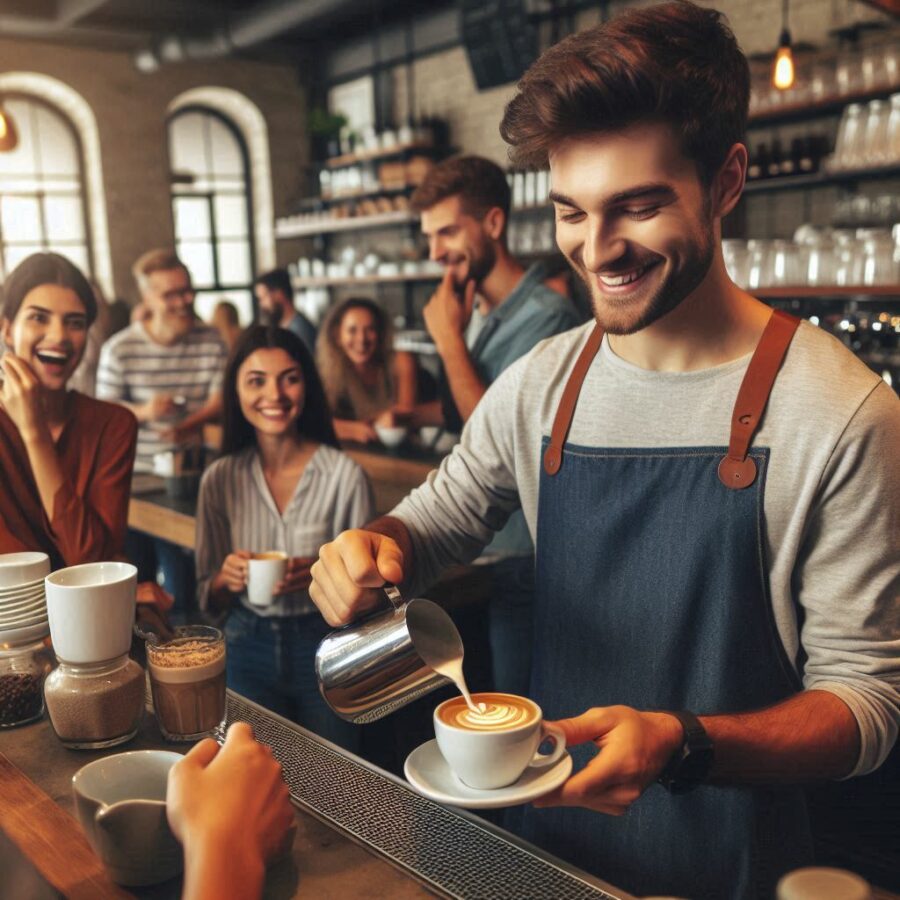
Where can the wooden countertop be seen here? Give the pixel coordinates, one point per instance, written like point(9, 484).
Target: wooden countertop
point(393, 475)
point(37, 820)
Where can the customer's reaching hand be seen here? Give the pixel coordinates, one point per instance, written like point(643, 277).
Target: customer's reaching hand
point(231, 810)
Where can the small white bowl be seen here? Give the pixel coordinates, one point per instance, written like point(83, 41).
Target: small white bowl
point(390, 437)
point(21, 568)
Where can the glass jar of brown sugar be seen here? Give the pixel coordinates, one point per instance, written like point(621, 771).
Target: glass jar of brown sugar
point(95, 705)
point(23, 667)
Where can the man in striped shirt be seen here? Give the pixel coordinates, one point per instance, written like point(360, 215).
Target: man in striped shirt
point(168, 370)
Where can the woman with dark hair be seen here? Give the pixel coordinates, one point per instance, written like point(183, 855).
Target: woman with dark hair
point(364, 379)
point(280, 485)
point(65, 458)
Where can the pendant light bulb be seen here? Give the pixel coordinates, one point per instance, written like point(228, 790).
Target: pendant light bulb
point(783, 70)
point(9, 137)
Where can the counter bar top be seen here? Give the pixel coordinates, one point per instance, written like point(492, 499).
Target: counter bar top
point(361, 831)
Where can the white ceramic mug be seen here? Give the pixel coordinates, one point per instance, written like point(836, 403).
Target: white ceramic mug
point(489, 759)
point(264, 571)
point(91, 610)
point(120, 801)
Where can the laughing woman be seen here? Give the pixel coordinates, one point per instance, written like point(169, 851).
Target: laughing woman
point(65, 458)
point(281, 485)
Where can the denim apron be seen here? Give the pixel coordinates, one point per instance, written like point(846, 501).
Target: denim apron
point(652, 591)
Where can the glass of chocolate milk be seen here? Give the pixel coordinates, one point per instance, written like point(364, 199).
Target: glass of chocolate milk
point(187, 678)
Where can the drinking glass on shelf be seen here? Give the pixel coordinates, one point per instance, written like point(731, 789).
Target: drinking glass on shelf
point(851, 134)
point(871, 67)
point(893, 130)
point(847, 75)
point(736, 257)
point(781, 264)
point(875, 143)
point(818, 262)
point(847, 268)
point(878, 266)
point(756, 264)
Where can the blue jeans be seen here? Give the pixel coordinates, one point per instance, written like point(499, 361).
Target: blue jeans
point(272, 662)
point(511, 623)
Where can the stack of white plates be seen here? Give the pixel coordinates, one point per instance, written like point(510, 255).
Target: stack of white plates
point(23, 606)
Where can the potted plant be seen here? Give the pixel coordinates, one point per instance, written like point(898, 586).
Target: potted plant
point(325, 132)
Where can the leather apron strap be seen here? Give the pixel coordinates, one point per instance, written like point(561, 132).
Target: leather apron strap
point(566, 410)
point(736, 470)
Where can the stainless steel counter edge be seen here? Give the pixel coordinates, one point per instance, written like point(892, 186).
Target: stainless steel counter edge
point(449, 850)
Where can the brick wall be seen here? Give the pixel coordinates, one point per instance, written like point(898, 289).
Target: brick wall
point(130, 109)
point(445, 88)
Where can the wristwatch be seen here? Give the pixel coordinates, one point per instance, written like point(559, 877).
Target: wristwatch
point(690, 764)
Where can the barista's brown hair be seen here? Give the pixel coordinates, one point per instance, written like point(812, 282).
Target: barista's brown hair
point(675, 63)
point(479, 183)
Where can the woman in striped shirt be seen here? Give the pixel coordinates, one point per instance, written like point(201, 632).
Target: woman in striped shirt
point(281, 485)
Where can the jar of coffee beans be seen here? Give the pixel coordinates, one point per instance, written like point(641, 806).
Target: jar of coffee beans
point(95, 705)
point(22, 670)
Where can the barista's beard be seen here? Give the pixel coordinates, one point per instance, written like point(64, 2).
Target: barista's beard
point(271, 318)
point(668, 295)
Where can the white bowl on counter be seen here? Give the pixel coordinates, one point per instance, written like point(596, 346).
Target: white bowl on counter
point(391, 436)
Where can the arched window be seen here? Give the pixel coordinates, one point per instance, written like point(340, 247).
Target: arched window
point(42, 202)
point(211, 206)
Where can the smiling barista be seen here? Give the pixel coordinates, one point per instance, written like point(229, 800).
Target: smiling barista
point(713, 490)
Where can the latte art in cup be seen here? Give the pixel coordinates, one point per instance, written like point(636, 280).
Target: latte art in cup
point(497, 712)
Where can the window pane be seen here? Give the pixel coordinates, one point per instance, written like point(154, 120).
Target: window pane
point(56, 144)
point(234, 262)
point(198, 257)
point(64, 219)
point(187, 147)
point(21, 218)
point(15, 254)
point(231, 217)
point(191, 217)
point(226, 152)
point(21, 160)
point(77, 254)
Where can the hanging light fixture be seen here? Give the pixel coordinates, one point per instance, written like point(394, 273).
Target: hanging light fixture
point(783, 69)
point(9, 137)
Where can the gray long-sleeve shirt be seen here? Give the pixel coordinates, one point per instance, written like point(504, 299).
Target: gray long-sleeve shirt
point(832, 494)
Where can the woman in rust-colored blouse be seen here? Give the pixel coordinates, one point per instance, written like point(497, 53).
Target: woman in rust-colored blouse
point(65, 458)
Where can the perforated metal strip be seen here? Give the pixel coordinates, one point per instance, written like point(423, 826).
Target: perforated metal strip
point(452, 852)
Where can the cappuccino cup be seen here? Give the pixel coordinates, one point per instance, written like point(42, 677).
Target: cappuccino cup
point(493, 748)
point(264, 571)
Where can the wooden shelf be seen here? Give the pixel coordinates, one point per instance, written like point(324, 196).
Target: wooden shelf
point(819, 179)
point(799, 292)
point(353, 280)
point(349, 223)
point(803, 112)
point(349, 159)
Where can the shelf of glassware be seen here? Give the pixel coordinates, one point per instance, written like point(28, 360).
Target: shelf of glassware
point(302, 283)
point(827, 292)
point(821, 179)
point(791, 113)
point(309, 227)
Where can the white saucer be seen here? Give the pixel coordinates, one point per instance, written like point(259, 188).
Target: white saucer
point(427, 771)
point(18, 635)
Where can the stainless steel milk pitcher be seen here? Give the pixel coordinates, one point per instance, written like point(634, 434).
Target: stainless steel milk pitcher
point(372, 667)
